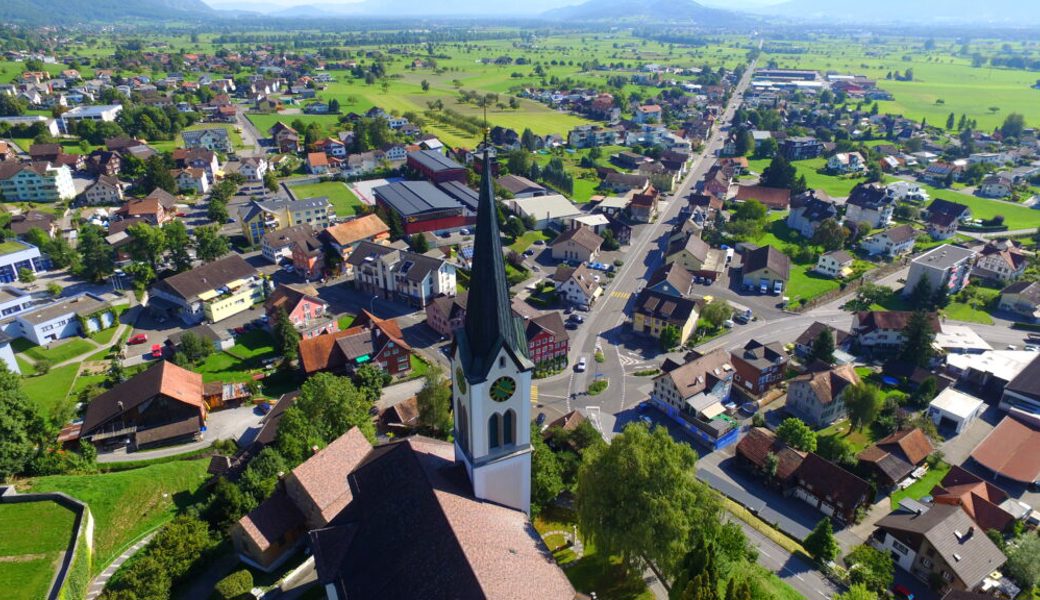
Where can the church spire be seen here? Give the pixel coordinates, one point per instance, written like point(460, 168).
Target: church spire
point(490, 322)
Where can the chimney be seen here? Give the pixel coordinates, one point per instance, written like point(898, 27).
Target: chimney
point(315, 449)
point(119, 405)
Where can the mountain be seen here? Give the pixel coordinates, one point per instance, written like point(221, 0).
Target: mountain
point(1009, 12)
point(80, 11)
point(643, 10)
point(412, 8)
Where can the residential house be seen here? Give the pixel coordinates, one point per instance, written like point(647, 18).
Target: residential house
point(693, 396)
point(578, 244)
point(1022, 394)
point(939, 544)
point(344, 237)
point(620, 183)
point(759, 366)
point(22, 223)
point(260, 216)
point(210, 292)
point(694, 255)
point(253, 168)
point(947, 267)
point(995, 186)
point(844, 163)
point(803, 343)
point(1022, 298)
point(765, 266)
point(162, 405)
point(216, 139)
point(78, 315)
point(655, 310)
point(808, 211)
point(277, 244)
point(817, 396)
point(197, 158)
point(445, 314)
point(588, 136)
point(547, 340)
point(222, 339)
point(648, 113)
point(834, 264)
point(957, 211)
point(988, 505)
point(285, 138)
point(1001, 260)
point(148, 209)
point(194, 181)
point(399, 275)
point(370, 340)
point(895, 457)
point(939, 173)
point(890, 243)
point(643, 206)
point(308, 256)
point(882, 330)
point(801, 148)
point(308, 313)
point(104, 162)
point(36, 182)
point(870, 203)
point(550, 211)
point(831, 489)
point(106, 190)
point(578, 286)
point(772, 198)
point(671, 279)
point(753, 453)
point(318, 163)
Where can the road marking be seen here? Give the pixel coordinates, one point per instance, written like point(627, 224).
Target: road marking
point(551, 396)
point(621, 295)
point(534, 394)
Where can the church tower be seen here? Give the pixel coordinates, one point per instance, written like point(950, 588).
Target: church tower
point(491, 371)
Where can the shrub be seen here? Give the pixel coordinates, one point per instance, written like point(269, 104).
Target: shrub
point(234, 585)
point(597, 387)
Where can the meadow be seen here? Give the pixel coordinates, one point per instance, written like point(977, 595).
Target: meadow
point(34, 535)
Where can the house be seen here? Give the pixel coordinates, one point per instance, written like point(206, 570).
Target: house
point(370, 340)
point(986, 504)
point(672, 279)
point(210, 292)
point(952, 411)
point(399, 275)
point(939, 173)
point(655, 310)
point(261, 216)
point(106, 190)
point(22, 223)
point(957, 211)
point(445, 314)
point(197, 158)
point(772, 198)
point(65, 317)
point(147, 209)
point(620, 183)
point(758, 366)
point(1022, 298)
point(816, 397)
point(831, 489)
point(870, 203)
point(844, 163)
point(578, 286)
point(908, 191)
point(520, 187)
point(945, 266)
point(938, 544)
point(277, 244)
point(882, 330)
point(421, 206)
point(318, 163)
point(1022, 394)
point(344, 237)
point(548, 212)
point(162, 405)
point(36, 182)
point(1009, 450)
point(995, 186)
point(801, 148)
point(194, 181)
point(753, 453)
point(941, 226)
point(693, 396)
point(307, 312)
point(588, 136)
point(765, 266)
point(808, 211)
point(648, 113)
point(1000, 260)
point(803, 343)
point(578, 244)
point(308, 256)
point(104, 162)
point(643, 206)
point(216, 139)
point(834, 264)
point(895, 457)
point(891, 243)
point(253, 168)
point(435, 167)
point(101, 112)
point(285, 138)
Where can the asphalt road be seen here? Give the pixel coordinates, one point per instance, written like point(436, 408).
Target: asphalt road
point(793, 570)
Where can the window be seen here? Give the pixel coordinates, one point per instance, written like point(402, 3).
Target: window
point(501, 362)
point(509, 428)
point(900, 548)
point(494, 425)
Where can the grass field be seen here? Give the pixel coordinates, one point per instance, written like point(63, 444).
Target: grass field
point(50, 392)
point(343, 200)
point(803, 283)
point(56, 354)
point(923, 486)
point(524, 241)
point(128, 504)
point(34, 535)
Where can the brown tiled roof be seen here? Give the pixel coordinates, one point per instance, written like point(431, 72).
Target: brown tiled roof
point(810, 334)
point(891, 320)
point(551, 322)
point(21, 224)
point(165, 198)
point(164, 378)
point(900, 233)
point(323, 476)
point(977, 497)
point(760, 442)
point(272, 520)
point(331, 350)
point(828, 384)
point(169, 431)
point(269, 424)
point(767, 257)
point(355, 230)
point(568, 422)
point(289, 297)
point(210, 276)
point(138, 207)
point(699, 374)
point(828, 480)
point(913, 443)
point(1011, 450)
point(583, 236)
point(774, 198)
point(1027, 382)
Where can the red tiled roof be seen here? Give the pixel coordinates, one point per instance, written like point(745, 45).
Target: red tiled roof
point(1011, 450)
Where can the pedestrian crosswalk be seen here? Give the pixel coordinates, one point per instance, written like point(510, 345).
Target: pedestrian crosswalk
point(621, 295)
point(534, 394)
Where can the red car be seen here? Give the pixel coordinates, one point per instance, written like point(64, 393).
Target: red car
point(156, 351)
point(137, 338)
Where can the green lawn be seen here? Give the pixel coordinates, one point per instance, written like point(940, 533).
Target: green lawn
point(923, 486)
point(857, 439)
point(803, 284)
point(242, 361)
point(834, 186)
point(127, 504)
point(34, 535)
point(959, 311)
point(345, 321)
point(343, 200)
point(56, 354)
point(105, 335)
point(524, 241)
point(1015, 216)
point(50, 392)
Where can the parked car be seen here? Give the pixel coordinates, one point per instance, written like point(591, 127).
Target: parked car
point(902, 593)
point(778, 286)
point(156, 351)
point(728, 323)
point(764, 288)
point(137, 338)
point(540, 420)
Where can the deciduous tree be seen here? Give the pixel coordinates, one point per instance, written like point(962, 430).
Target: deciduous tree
point(434, 401)
point(862, 403)
point(796, 434)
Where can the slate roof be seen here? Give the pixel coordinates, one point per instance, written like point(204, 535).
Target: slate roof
point(700, 374)
point(946, 207)
point(766, 257)
point(434, 161)
point(660, 305)
point(869, 196)
point(282, 238)
point(210, 276)
point(813, 331)
point(164, 378)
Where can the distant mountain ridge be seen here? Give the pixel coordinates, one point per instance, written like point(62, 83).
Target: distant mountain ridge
point(643, 10)
point(1010, 12)
point(80, 11)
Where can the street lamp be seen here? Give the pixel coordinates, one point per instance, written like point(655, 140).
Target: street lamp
point(371, 308)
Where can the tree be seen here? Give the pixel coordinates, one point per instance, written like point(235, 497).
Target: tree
point(716, 312)
point(862, 403)
point(434, 403)
point(425, 85)
point(919, 335)
point(743, 142)
point(821, 543)
point(873, 570)
point(1023, 563)
point(26, 275)
point(210, 245)
point(234, 586)
point(950, 121)
point(771, 464)
point(194, 347)
point(1014, 125)
point(796, 434)
point(286, 336)
point(857, 592)
point(823, 347)
point(217, 211)
point(261, 476)
point(670, 337)
point(830, 234)
point(227, 504)
point(546, 473)
point(178, 244)
point(836, 449)
point(326, 408)
point(779, 174)
point(921, 294)
point(271, 181)
point(610, 241)
point(371, 379)
point(22, 428)
point(54, 289)
point(157, 174)
point(97, 259)
point(528, 140)
point(147, 244)
point(639, 497)
point(12, 106)
point(419, 243)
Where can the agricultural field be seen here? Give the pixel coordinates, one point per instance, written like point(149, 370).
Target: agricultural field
point(944, 79)
point(35, 534)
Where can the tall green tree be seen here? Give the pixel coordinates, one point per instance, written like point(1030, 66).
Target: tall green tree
point(780, 174)
point(147, 244)
point(371, 379)
point(286, 335)
point(178, 244)
point(209, 244)
point(670, 337)
point(1023, 563)
point(97, 259)
point(434, 403)
point(157, 174)
point(716, 312)
point(821, 543)
point(22, 429)
point(830, 234)
point(546, 473)
point(918, 336)
point(857, 592)
point(863, 404)
point(823, 347)
point(873, 569)
point(796, 434)
point(326, 408)
point(639, 497)
point(195, 348)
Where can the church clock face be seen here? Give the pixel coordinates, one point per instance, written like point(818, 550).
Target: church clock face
point(460, 380)
point(503, 389)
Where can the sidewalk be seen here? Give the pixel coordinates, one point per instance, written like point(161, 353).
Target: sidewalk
point(97, 585)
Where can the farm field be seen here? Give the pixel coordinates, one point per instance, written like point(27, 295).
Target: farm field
point(343, 200)
point(35, 534)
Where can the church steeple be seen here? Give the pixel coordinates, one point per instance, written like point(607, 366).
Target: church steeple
point(490, 322)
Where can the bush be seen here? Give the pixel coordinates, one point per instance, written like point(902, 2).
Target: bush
point(234, 585)
point(597, 387)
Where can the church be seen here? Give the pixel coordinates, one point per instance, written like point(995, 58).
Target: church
point(428, 519)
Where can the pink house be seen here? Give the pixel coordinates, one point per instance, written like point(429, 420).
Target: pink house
point(306, 310)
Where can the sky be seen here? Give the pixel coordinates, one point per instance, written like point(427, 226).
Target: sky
point(733, 4)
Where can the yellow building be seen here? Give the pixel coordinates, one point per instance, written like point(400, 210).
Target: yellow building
point(258, 218)
point(234, 298)
point(654, 311)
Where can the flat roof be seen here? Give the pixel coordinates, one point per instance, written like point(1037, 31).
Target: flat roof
point(1002, 364)
point(410, 198)
point(956, 403)
point(91, 111)
point(960, 337)
point(553, 206)
point(944, 257)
